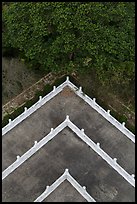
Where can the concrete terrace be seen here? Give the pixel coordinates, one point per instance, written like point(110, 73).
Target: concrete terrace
point(66, 150)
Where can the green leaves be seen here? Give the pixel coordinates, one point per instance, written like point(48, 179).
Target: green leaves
point(49, 32)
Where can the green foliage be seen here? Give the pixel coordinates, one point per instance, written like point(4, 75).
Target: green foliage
point(63, 36)
point(10, 52)
point(59, 81)
point(17, 112)
point(5, 120)
point(122, 118)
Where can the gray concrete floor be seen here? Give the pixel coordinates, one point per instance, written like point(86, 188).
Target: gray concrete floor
point(50, 164)
point(66, 150)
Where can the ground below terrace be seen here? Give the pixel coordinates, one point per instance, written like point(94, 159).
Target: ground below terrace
point(16, 78)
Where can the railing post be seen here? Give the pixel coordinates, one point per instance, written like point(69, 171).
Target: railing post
point(25, 109)
point(51, 130)
point(94, 100)
point(54, 88)
point(108, 112)
point(84, 187)
point(9, 121)
point(47, 187)
point(98, 145)
point(67, 79)
point(18, 157)
point(115, 160)
point(82, 130)
point(123, 124)
point(66, 171)
point(40, 98)
point(35, 143)
point(80, 89)
point(67, 117)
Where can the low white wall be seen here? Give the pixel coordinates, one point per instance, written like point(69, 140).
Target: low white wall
point(50, 189)
point(32, 109)
point(105, 114)
point(78, 91)
point(33, 150)
point(112, 162)
point(66, 176)
point(80, 189)
point(96, 147)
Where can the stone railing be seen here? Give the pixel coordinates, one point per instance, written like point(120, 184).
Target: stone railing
point(105, 114)
point(78, 91)
point(96, 147)
point(66, 176)
point(33, 108)
point(33, 150)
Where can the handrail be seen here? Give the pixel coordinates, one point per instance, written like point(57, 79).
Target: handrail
point(65, 176)
point(96, 147)
point(78, 91)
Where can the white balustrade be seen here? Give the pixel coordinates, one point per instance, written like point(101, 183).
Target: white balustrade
point(112, 162)
point(33, 108)
point(80, 189)
point(66, 176)
point(85, 138)
point(87, 99)
point(105, 114)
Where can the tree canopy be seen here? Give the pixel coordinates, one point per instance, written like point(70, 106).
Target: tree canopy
point(74, 35)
